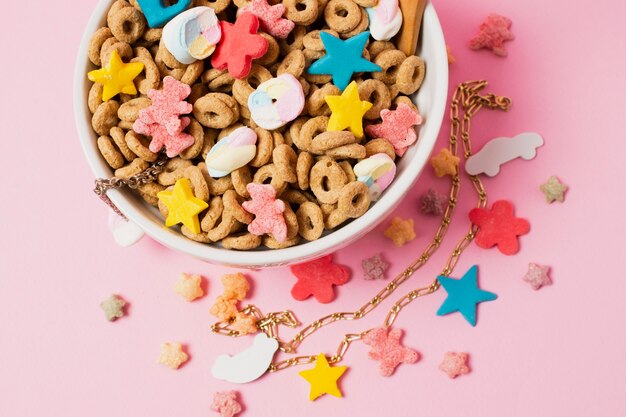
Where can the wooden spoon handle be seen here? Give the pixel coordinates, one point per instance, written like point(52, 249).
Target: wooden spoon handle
point(412, 13)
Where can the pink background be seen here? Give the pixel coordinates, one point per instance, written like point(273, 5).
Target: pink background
point(558, 351)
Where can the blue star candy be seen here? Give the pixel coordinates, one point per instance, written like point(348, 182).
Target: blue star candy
point(463, 295)
point(343, 58)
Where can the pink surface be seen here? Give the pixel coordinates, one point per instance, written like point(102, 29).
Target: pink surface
point(555, 352)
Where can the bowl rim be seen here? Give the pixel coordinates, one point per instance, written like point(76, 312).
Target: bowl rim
point(274, 257)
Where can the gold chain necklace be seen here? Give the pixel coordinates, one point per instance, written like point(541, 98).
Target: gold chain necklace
point(467, 98)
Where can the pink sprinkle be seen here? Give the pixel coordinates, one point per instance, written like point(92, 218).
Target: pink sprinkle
point(397, 127)
point(268, 212)
point(455, 364)
point(374, 267)
point(270, 18)
point(493, 32)
point(387, 349)
point(162, 119)
point(537, 276)
point(225, 403)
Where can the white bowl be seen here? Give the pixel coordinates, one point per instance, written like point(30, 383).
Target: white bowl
point(430, 99)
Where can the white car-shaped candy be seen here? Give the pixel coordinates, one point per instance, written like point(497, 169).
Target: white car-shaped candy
point(501, 150)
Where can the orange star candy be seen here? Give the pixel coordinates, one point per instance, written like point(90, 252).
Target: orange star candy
point(445, 163)
point(400, 231)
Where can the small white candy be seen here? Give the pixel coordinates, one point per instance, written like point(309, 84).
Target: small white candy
point(125, 233)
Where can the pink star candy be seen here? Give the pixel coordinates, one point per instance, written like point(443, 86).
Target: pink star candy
point(268, 212)
point(493, 32)
point(162, 119)
point(537, 276)
point(270, 18)
point(387, 349)
point(455, 364)
point(397, 127)
point(226, 403)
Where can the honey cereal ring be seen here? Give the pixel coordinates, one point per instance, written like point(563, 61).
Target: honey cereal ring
point(354, 199)
point(342, 15)
point(301, 12)
point(242, 3)
point(292, 196)
point(150, 78)
point(309, 130)
point(152, 35)
point(223, 83)
point(119, 137)
point(319, 79)
point(173, 170)
point(166, 71)
point(196, 237)
point(272, 243)
point(105, 117)
point(351, 151)
point(127, 24)
point(403, 100)
point(268, 174)
point(109, 152)
point(390, 61)
point(326, 180)
point(168, 59)
point(279, 139)
point(330, 140)
point(216, 110)
point(216, 186)
point(192, 72)
point(123, 49)
point(231, 205)
point(230, 129)
point(241, 178)
point(285, 160)
point(225, 226)
point(313, 41)
point(244, 87)
point(149, 192)
point(310, 221)
point(94, 99)
point(316, 104)
point(361, 27)
point(95, 45)
point(377, 47)
point(217, 5)
point(291, 220)
point(264, 147)
point(366, 3)
point(377, 93)
point(210, 137)
point(411, 75)
point(117, 6)
point(139, 145)
point(293, 41)
point(198, 183)
point(213, 214)
point(380, 145)
point(242, 241)
point(310, 55)
point(393, 91)
point(273, 51)
point(211, 74)
point(347, 168)
point(197, 90)
point(129, 111)
point(306, 86)
point(125, 125)
point(303, 169)
point(195, 130)
point(293, 63)
point(135, 167)
point(334, 219)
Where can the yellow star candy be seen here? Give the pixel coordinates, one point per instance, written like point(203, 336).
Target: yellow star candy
point(323, 378)
point(182, 206)
point(116, 77)
point(347, 110)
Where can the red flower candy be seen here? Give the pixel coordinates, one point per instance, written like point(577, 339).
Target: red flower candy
point(239, 45)
point(499, 226)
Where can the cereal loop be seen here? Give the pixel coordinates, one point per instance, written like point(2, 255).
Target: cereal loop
point(354, 199)
point(342, 15)
point(139, 144)
point(217, 5)
point(195, 130)
point(293, 41)
point(303, 168)
point(198, 183)
point(390, 61)
point(301, 12)
point(268, 174)
point(272, 53)
point(309, 130)
point(150, 79)
point(241, 178)
point(129, 111)
point(245, 241)
point(127, 24)
point(411, 75)
point(134, 168)
point(361, 27)
point(380, 145)
point(316, 104)
point(310, 221)
point(330, 140)
point(216, 110)
point(95, 45)
point(244, 87)
point(264, 147)
point(173, 170)
point(285, 160)
point(105, 117)
point(119, 137)
point(377, 93)
point(327, 180)
point(377, 47)
point(351, 151)
point(293, 64)
point(107, 149)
